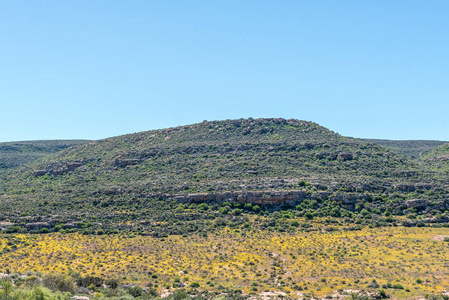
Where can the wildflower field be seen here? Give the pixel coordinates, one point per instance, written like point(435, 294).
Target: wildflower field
point(405, 262)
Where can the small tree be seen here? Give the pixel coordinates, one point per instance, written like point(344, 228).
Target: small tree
point(7, 287)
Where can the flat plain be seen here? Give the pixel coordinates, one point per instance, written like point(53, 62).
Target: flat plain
point(406, 262)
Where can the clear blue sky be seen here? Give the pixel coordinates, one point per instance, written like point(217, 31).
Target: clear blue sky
point(95, 69)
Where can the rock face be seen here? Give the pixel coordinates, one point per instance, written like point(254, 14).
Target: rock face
point(416, 203)
point(37, 225)
point(255, 197)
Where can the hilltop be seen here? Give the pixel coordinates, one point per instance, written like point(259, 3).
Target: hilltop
point(149, 181)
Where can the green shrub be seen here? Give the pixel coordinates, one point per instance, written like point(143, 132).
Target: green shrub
point(294, 223)
point(135, 291)
point(179, 295)
point(308, 215)
point(59, 282)
point(112, 283)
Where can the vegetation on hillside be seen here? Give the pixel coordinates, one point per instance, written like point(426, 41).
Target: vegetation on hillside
point(438, 158)
point(413, 149)
point(17, 154)
point(157, 182)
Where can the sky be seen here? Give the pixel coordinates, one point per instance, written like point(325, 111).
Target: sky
point(96, 69)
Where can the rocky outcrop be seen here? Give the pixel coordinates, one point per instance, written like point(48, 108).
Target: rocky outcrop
point(347, 199)
point(345, 156)
point(432, 220)
point(5, 225)
point(416, 203)
point(320, 195)
point(58, 168)
point(405, 187)
point(255, 197)
point(442, 158)
point(127, 162)
point(321, 155)
point(37, 225)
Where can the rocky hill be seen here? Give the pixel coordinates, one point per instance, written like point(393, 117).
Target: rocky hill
point(152, 180)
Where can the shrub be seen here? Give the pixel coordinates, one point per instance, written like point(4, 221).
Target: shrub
point(294, 223)
point(179, 295)
point(60, 282)
point(308, 215)
point(112, 283)
point(195, 285)
point(203, 207)
point(224, 210)
point(89, 280)
point(31, 280)
point(135, 291)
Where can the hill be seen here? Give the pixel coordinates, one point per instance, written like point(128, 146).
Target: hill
point(409, 148)
point(437, 158)
point(198, 177)
point(17, 154)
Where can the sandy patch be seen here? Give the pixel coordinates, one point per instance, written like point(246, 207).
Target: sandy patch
point(440, 237)
point(269, 295)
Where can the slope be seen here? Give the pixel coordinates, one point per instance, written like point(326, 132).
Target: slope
point(16, 154)
point(437, 158)
point(151, 181)
point(409, 148)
